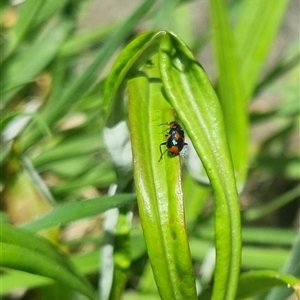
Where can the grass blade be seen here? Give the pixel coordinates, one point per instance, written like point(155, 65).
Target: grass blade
point(230, 89)
point(73, 211)
point(15, 242)
point(255, 31)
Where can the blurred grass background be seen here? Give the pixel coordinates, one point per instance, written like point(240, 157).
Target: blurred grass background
point(54, 59)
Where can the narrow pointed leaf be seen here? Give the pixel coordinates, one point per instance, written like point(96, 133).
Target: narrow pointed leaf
point(159, 195)
point(291, 267)
point(23, 251)
point(25, 19)
point(121, 254)
point(136, 54)
point(254, 34)
point(22, 69)
point(80, 85)
point(196, 104)
point(230, 89)
point(256, 282)
point(73, 211)
point(159, 191)
point(86, 80)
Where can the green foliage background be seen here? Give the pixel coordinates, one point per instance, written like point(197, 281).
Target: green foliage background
point(58, 175)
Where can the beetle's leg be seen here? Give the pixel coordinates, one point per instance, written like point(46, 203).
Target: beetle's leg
point(162, 153)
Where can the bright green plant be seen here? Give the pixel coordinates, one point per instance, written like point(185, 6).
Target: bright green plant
point(72, 136)
point(178, 75)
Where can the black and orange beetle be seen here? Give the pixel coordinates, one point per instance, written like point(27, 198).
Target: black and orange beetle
point(175, 140)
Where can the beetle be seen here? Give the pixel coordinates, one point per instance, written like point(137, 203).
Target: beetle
point(175, 139)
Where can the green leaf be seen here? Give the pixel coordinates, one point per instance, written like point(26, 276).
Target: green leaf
point(79, 145)
point(129, 60)
point(22, 69)
point(254, 34)
point(256, 282)
point(21, 250)
point(158, 187)
point(263, 258)
point(80, 85)
point(136, 54)
point(48, 9)
point(195, 196)
point(290, 267)
point(86, 263)
point(159, 196)
point(118, 258)
point(66, 213)
point(87, 79)
point(286, 62)
point(197, 106)
point(258, 212)
point(81, 42)
point(230, 89)
point(26, 18)
point(12, 280)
